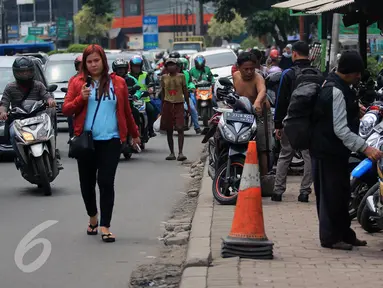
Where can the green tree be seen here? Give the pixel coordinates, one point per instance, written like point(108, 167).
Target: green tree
point(260, 18)
point(94, 20)
point(227, 30)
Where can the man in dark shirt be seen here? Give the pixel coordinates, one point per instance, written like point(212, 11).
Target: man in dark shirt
point(286, 88)
point(334, 136)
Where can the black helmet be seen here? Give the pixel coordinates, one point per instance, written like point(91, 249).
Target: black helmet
point(23, 69)
point(174, 54)
point(199, 61)
point(77, 62)
point(160, 55)
point(119, 63)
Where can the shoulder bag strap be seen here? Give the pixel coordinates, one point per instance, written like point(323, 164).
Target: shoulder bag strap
point(95, 113)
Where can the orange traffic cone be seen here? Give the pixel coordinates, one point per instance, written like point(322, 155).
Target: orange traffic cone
point(247, 238)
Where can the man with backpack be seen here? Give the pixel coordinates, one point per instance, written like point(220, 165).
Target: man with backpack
point(335, 127)
point(286, 88)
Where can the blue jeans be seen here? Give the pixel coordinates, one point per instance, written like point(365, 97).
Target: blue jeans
point(193, 114)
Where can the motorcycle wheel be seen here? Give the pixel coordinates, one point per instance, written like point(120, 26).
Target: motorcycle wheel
point(362, 204)
point(205, 117)
point(142, 146)
point(44, 180)
point(367, 223)
point(297, 160)
point(230, 196)
point(358, 189)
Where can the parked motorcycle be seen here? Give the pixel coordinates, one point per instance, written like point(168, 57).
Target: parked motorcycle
point(371, 218)
point(236, 127)
point(35, 142)
point(204, 97)
point(363, 176)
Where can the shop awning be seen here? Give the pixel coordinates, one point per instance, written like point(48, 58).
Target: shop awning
point(313, 6)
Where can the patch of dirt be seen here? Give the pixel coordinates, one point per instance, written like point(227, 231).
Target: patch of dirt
point(166, 270)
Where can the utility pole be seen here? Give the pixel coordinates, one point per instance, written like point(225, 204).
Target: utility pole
point(2, 22)
point(199, 19)
point(34, 13)
point(334, 40)
point(50, 12)
point(75, 11)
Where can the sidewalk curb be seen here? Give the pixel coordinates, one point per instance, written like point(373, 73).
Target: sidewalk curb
point(199, 250)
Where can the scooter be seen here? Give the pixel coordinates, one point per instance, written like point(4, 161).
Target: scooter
point(35, 142)
point(140, 104)
point(204, 97)
point(236, 127)
point(363, 175)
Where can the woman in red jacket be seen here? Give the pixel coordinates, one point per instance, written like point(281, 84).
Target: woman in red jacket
point(104, 109)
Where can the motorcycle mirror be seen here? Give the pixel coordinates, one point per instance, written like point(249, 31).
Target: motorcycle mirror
point(216, 75)
point(52, 88)
point(225, 81)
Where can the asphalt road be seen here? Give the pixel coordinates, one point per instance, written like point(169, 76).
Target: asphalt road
point(147, 187)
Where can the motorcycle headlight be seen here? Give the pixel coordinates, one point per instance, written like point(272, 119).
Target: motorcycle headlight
point(27, 136)
point(367, 124)
point(203, 104)
point(228, 134)
point(244, 137)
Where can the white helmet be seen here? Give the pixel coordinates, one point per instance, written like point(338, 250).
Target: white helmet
point(220, 89)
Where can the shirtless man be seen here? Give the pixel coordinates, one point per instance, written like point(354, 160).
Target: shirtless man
point(250, 84)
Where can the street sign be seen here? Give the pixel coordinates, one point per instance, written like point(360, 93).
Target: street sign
point(35, 31)
point(150, 32)
point(61, 21)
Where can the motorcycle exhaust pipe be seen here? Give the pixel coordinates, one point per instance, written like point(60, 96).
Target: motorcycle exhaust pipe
point(370, 203)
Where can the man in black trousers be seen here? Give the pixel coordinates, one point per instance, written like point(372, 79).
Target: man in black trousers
point(335, 135)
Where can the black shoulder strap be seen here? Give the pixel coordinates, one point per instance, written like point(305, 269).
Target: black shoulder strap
point(26, 93)
point(95, 113)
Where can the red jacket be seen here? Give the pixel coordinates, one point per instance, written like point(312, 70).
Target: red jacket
point(75, 105)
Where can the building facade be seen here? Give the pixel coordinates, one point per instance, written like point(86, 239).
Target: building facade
point(172, 20)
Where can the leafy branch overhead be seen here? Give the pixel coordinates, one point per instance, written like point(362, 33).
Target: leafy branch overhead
point(91, 23)
point(261, 18)
point(227, 30)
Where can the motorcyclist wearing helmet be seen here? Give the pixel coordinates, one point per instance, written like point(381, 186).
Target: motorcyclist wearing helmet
point(25, 88)
point(136, 64)
point(184, 64)
point(121, 67)
point(202, 72)
point(274, 65)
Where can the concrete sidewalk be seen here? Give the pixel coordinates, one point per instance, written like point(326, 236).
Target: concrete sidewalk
point(299, 260)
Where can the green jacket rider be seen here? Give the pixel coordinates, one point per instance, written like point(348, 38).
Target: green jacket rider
point(136, 64)
point(200, 71)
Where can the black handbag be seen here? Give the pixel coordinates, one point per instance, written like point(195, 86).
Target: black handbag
point(83, 144)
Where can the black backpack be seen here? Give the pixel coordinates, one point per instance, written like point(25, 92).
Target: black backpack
point(298, 122)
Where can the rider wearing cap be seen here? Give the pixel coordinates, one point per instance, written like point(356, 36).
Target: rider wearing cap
point(136, 64)
point(274, 57)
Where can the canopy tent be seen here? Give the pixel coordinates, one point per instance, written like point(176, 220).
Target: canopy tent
point(314, 6)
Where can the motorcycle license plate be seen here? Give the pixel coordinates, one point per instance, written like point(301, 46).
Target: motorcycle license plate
point(31, 121)
point(239, 117)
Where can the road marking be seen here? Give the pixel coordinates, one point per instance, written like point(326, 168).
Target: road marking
point(28, 243)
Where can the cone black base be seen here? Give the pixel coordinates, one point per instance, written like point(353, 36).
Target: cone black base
point(247, 248)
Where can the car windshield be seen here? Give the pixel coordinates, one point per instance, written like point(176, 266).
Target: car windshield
point(219, 60)
point(6, 77)
point(59, 71)
point(187, 46)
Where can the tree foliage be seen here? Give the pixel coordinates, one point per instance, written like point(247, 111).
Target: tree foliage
point(90, 25)
point(261, 18)
point(227, 30)
point(101, 7)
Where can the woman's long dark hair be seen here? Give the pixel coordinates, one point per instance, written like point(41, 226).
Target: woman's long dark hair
point(104, 79)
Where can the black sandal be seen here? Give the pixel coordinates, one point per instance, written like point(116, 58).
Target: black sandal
point(108, 238)
point(93, 228)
